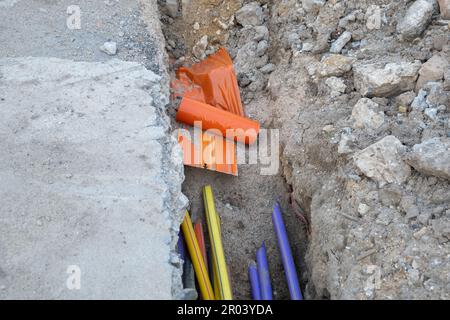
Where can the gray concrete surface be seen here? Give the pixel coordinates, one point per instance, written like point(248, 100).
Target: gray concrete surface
point(87, 180)
point(90, 177)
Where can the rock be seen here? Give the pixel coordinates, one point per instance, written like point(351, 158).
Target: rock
point(373, 17)
point(261, 33)
point(339, 44)
point(335, 65)
point(172, 8)
point(416, 19)
point(432, 70)
point(199, 49)
point(268, 68)
point(431, 157)
point(343, 23)
point(367, 114)
point(337, 86)
point(420, 102)
point(405, 99)
point(373, 80)
point(329, 128)
point(431, 113)
point(347, 144)
point(262, 47)
point(444, 5)
point(196, 26)
point(363, 209)
point(436, 95)
point(312, 6)
point(382, 161)
point(109, 47)
point(250, 15)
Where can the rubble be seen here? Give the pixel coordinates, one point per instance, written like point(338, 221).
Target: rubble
point(199, 49)
point(337, 86)
point(373, 17)
point(335, 65)
point(374, 80)
point(383, 161)
point(339, 44)
point(109, 47)
point(250, 15)
point(432, 70)
point(416, 19)
point(444, 5)
point(431, 157)
point(367, 115)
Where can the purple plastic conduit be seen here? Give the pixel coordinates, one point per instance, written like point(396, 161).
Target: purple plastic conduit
point(286, 254)
point(254, 281)
point(263, 273)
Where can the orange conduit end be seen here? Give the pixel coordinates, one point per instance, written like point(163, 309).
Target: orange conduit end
point(231, 126)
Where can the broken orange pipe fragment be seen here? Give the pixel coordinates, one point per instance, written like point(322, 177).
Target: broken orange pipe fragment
point(212, 81)
point(208, 151)
point(231, 126)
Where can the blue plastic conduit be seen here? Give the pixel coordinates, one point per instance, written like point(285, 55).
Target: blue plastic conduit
point(254, 281)
point(286, 254)
point(263, 273)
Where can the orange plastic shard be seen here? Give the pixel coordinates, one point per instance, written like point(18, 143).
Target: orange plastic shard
point(212, 81)
point(208, 151)
point(231, 126)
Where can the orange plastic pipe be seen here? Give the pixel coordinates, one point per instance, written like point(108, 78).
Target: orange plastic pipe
point(242, 129)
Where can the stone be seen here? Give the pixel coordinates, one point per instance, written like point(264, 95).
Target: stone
point(346, 144)
point(444, 6)
point(339, 44)
point(262, 47)
point(337, 86)
point(436, 95)
point(431, 157)
point(382, 162)
point(335, 65)
point(109, 47)
point(367, 114)
point(199, 49)
point(261, 33)
point(363, 209)
point(374, 80)
point(416, 19)
point(250, 15)
point(432, 70)
point(172, 8)
point(268, 68)
point(312, 6)
point(405, 99)
point(420, 101)
point(373, 17)
point(329, 128)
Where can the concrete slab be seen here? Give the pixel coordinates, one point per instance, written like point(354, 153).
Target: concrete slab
point(90, 192)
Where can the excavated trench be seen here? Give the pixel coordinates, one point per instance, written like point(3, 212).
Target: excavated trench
point(245, 202)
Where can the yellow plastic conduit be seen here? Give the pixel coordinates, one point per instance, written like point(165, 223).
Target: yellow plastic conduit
point(204, 282)
point(216, 245)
